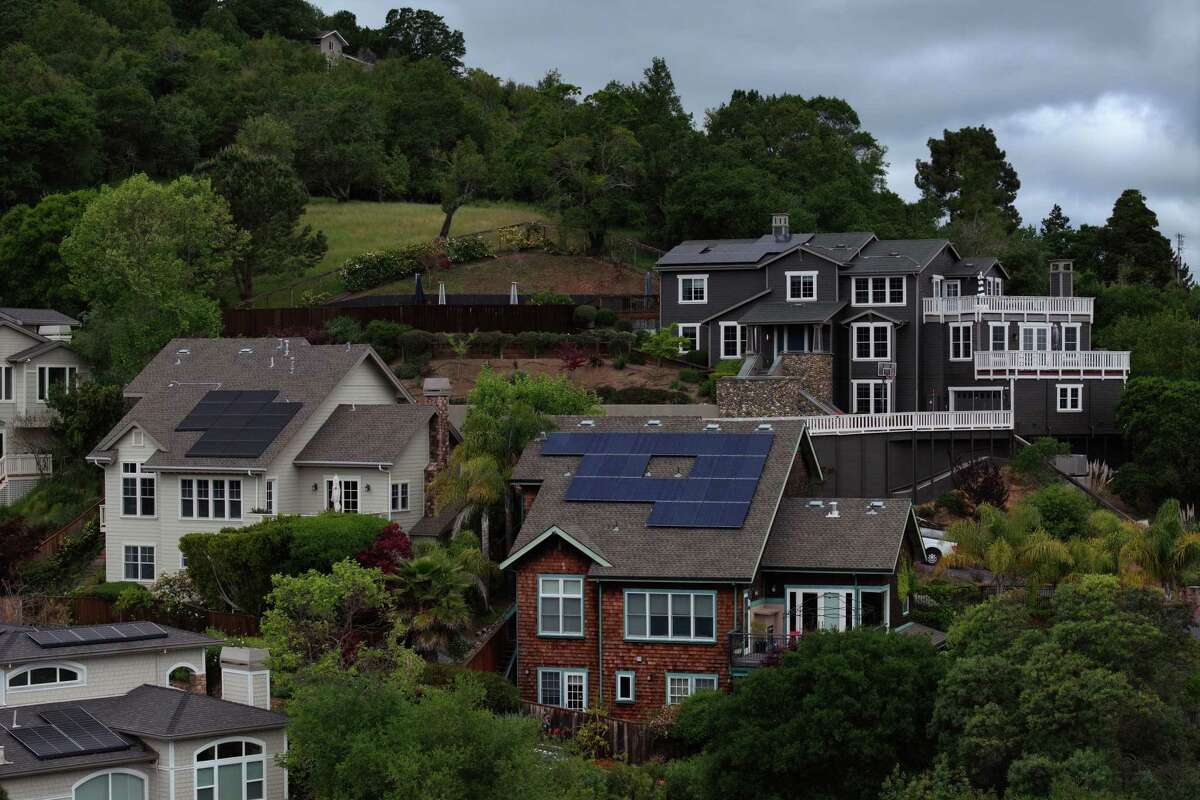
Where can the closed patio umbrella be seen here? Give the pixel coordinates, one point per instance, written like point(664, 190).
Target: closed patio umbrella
point(441, 293)
point(419, 291)
point(512, 294)
point(335, 494)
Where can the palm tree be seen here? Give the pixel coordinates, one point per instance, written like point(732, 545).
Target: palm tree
point(1165, 550)
point(1011, 547)
point(431, 593)
point(475, 481)
point(467, 552)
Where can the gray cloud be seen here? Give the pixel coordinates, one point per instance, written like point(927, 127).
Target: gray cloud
point(1088, 97)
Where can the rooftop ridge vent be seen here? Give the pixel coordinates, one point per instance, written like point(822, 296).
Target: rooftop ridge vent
point(833, 510)
point(587, 423)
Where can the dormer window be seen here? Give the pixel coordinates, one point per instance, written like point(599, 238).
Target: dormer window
point(801, 287)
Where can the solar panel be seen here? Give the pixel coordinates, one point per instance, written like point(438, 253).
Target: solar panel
point(657, 444)
point(97, 634)
point(237, 424)
point(698, 515)
point(80, 727)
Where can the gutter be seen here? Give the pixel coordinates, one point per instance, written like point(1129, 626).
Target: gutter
point(379, 464)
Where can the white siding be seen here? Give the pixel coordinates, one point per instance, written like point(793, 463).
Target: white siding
point(58, 785)
point(106, 676)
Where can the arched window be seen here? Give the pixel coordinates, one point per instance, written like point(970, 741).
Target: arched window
point(46, 676)
point(116, 785)
point(231, 770)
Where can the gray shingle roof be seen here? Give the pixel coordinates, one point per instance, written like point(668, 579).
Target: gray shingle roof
point(185, 370)
point(365, 434)
point(735, 253)
point(896, 256)
point(38, 349)
point(618, 533)
point(17, 648)
point(976, 264)
point(781, 312)
point(805, 537)
point(37, 316)
point(439, 523)
point(841, 247)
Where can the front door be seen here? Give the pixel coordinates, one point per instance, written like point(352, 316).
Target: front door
point(818, 609)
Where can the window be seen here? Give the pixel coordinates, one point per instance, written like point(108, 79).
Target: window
point(54, 376)
point(871, 397)
point(1070, 397)
point(6, 383)
point(904, 601)
point(692, 334)
point(734, 338)
point(269, 496)
point(560, 606)
point(681, 686)
point(139, 562)
point(114, 785)
point(872, 341)
point(137, 437)
point(137, 491)
point(210, 499)
point(46, 675)
point(879, 291)
point(835, 608)
point(565, 688)
point(626, 689)
point(951, 288)
point(960, 341)
point(801, 286)
point(674, 616)
point(693, 289)
point(1035, 337)
point(1070, 336)
point(998, 334)
point(400, 496)
point(348, 495)
point(231, 771)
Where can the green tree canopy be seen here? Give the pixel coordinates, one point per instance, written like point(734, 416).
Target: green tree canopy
point(1159, 418)
point(1134, 250)
point(968, 176)
point(30, 236)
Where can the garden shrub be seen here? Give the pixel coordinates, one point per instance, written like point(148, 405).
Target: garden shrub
point(546, 297)
point(384, 335)
point(697, 357)
point(1064, 509)
point(1035, 461)
point(499, 695)
point(389, 548)
point(537, 343)
point(106, 591)
point(134, 600)
point(368, 270)
point(641, 395)
point(955, 502)
point(520, 237)
point(465, 249)
point(624, 325)
point(493, 342)
point(321, 541)
point(605, 317)
point(982, 482)
point(637, 357)
point(415, 342)
point(585, 315)
point(341, 330)
point(690, 376)
point(620, 362)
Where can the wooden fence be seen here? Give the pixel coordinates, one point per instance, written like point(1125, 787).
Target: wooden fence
point(437, 319)
point(491, 652)
point(54, 542)
point(52, 610)
point(633, 742)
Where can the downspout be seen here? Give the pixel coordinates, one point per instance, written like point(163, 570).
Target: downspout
point(858, 597)
point(387, 496)
point(599, 643)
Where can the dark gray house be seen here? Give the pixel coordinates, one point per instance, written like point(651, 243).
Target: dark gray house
point(847, 323)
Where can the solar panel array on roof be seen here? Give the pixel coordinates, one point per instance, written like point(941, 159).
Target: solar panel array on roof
point(716, 493)
point(237, 424)
point(729, 251)
point(97, 634)
point(69, 731)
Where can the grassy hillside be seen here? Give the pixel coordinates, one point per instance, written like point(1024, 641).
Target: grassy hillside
point(356, 227)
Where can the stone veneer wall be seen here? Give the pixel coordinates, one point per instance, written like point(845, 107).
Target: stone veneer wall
point(764, 396)
point(815, 371)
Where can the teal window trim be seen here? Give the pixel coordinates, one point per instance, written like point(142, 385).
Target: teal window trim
point(669, 638)
point(884, 589)
point(691, 679)
point(626, 673)
point(562, 684)
point(582, 607)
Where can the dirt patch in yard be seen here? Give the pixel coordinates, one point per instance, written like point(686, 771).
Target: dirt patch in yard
point(463, 372)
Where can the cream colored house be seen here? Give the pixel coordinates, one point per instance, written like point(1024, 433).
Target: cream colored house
point(119, 712)
point(227, 432)
point(35, 356)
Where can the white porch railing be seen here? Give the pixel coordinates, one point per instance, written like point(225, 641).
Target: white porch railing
point(1052, 364)
point(1006, 307)
point(838, 424)
point(24, 465)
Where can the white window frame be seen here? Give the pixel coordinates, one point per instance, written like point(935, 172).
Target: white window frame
point(992, 328)
point(71, 376)
point(742, 332)
point(401, 497)
point(703, 283)
point(689, 330)
point(877, 387)
point(215, 763)
point(7, 391)
point(801, 298)
point(561, 596)
point(1034, 326)
point(1077, 327)
point(565, 674)
point(691, 678)
point(140, 481)
point(139, 562)
point(625, 697)
point(887, 291)
point(1064, 391)
point(873, 326)
point(210, 486)
point(342, 482)
point(108, 773)
point(270, 495)
point(836, 621)
point(671, 595)
point(80, 678)
point(947, 283)
point(961, 349)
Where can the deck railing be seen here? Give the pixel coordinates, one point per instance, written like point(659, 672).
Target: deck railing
point(1052, 364)
point(759, 649)
point(841, 424)
point(24, 465)
point(1006, 306)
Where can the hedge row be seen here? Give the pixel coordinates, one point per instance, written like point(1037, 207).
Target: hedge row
point(375, 268)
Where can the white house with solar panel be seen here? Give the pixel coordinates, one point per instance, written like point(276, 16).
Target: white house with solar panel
point(119, 712)
point(227, 432)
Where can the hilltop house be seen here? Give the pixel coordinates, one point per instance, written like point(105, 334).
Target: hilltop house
point(660, 557)
point(119, 712)
point(35, 356)
point(227, 432)
point(834, 323)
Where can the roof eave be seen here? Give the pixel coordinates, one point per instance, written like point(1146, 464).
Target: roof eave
point(553, 530)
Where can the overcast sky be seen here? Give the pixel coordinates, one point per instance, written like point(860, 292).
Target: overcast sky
point(1088, 97)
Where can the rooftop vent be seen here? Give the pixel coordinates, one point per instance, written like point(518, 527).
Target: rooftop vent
point(816, 503)
point(833, 510)
point(654, 423)
point(764, 426)
point(876, 504)
point(245, 351)
point(183, 351)
point(712, 426)
point(894, 253)
point(587, 423)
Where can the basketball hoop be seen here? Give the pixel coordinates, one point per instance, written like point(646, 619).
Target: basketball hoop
point(887, 369)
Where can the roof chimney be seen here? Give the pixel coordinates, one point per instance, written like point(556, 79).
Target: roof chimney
point(436, 392)
point(833, 510)
point(245, 678)
point(779, 226)
point(1062, 277)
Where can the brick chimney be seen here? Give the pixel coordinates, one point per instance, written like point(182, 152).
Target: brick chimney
point(1062, 277)
point(436, 392)
point(245, 678)
point(779, 227)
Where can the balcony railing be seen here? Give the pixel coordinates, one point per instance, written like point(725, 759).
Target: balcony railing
point(841, 424)
point(1006, 307)
point(26, 465)
point(759, 649)
point(1097, 364)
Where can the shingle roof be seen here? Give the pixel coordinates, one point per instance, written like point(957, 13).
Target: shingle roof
point(896, 256)
point(38, 349)
point(841, 247)
point(781, 312)
point(37, 316)
point(806, 537)
point(736, 253)
point(936, 638)
point(185, 370)
point(974, 265)
point(356, 434)
point(17, 648)
point(618, 532)
point(439, 523)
